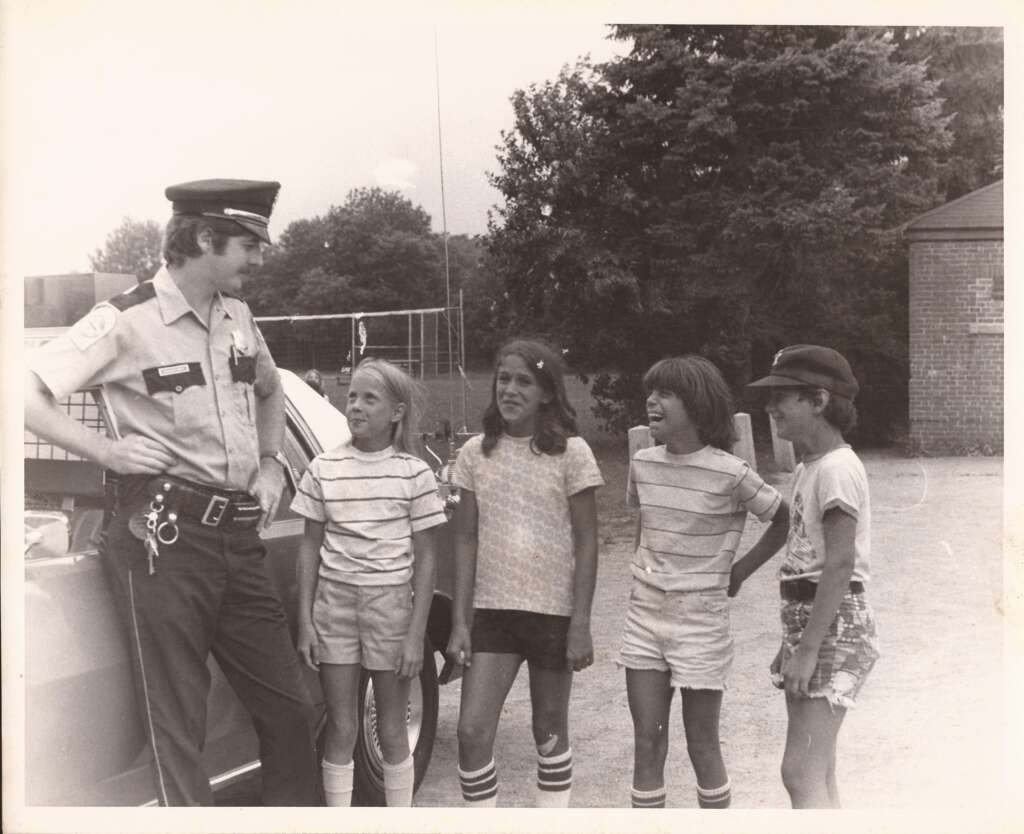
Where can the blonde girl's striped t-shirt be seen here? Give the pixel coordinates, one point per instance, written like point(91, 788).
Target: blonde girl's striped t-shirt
point(692, 511)
point(370, 504)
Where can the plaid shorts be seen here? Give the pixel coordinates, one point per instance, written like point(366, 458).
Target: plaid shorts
point(848, 651)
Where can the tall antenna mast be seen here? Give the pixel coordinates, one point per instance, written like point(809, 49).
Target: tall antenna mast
point(440, 161)
point(444, 229)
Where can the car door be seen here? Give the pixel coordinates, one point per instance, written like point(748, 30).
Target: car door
point(85, 743)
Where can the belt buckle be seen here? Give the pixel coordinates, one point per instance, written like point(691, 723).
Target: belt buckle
point(215, 511)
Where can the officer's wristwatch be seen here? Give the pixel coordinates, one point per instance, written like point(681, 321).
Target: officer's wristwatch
point(279, 457)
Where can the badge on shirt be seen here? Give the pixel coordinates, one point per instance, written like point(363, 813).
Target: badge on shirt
point(243, 367)
point(93, 327)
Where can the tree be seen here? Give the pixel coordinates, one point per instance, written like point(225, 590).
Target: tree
point(722, 190)
point(374, 252)
point(133, 248)
point(480, 296)
point(967, 61)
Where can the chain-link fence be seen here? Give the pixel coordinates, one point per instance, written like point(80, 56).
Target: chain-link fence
point(427, 343)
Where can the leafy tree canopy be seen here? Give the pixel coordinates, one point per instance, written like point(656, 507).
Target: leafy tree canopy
point(967, 62)
point(723, 190)
point(374, 252)
point(133, 248)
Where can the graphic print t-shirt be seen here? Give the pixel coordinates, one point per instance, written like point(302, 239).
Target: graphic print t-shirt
point(836, 479)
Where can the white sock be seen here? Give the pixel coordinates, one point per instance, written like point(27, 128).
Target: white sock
point(398, 782)
point(337, 784)
point(554, 780)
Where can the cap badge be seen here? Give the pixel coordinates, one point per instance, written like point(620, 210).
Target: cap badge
point(250, 215)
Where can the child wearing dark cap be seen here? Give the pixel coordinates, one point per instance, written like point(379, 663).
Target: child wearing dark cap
point(829, 643)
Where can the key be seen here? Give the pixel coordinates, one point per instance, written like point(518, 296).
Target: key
point(152, 551)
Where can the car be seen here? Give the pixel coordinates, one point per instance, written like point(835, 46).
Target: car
point(84, 740)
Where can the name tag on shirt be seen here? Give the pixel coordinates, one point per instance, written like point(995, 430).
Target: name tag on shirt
point(167, 370)
point(174, 378)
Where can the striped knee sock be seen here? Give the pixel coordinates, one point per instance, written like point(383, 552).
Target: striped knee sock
point(554, 780)
point(398, 782)
point(337, 784)
point(480, 787)
point(654, 798)
point(720, 797)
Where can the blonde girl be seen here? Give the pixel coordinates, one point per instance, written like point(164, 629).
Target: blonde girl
point(366, 573)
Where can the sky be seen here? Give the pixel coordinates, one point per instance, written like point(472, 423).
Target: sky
point(114, 102)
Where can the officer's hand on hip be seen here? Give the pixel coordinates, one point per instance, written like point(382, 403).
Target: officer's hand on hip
point(267, 488)
point(135, 454)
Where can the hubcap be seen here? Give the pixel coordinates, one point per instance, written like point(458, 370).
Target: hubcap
point(413, 723)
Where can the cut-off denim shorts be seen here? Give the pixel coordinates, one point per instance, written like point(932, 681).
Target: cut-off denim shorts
point(847, 654)
point(685, 633)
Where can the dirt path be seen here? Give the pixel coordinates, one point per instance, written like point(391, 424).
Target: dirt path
point(927, 731)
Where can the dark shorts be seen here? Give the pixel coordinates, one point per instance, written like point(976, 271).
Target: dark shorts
point(540, 638)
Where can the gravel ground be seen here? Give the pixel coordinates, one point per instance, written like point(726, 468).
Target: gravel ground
point(927, 731)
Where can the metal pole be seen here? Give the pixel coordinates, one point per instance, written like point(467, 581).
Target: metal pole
point(444, 221)
point(423, 348)
point(462, 351)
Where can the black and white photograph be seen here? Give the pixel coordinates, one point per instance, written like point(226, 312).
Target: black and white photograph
point(438, 418)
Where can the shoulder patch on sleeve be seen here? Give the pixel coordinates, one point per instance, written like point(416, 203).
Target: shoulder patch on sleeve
point(93, 327)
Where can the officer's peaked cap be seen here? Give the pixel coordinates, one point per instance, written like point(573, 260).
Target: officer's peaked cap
point(246, 202)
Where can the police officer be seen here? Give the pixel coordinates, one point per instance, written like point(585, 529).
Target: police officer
point(199, 408)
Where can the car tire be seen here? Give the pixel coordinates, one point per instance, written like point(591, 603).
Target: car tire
point(368, 780)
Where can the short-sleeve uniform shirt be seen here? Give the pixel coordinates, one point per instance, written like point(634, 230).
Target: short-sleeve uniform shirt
point(836, 479)
point(170, 376)
point(370, 504)
point(525, 558)
point(692, 512)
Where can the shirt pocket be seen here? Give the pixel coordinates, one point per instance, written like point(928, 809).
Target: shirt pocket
point(180, 390)
point(243, 378)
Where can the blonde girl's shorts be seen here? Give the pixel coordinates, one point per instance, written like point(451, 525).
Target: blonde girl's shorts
point(685, 633)
point(847, 654)
point(363, 624)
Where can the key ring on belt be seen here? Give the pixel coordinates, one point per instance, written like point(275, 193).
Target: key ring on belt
point(156, 508)
point(172, 537)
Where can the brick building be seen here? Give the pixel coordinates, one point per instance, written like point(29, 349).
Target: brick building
point(956, 324)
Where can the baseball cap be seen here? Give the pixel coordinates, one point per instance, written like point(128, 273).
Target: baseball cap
point(245, 202)
point(811, 365)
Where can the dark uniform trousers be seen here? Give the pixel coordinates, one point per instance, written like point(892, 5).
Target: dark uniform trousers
point(211, 591)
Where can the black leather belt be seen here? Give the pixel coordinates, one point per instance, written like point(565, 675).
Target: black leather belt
point(206, 506)
point(803, 590)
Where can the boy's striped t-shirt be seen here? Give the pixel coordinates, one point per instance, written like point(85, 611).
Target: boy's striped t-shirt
point(370, 504)
point(692, 512)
